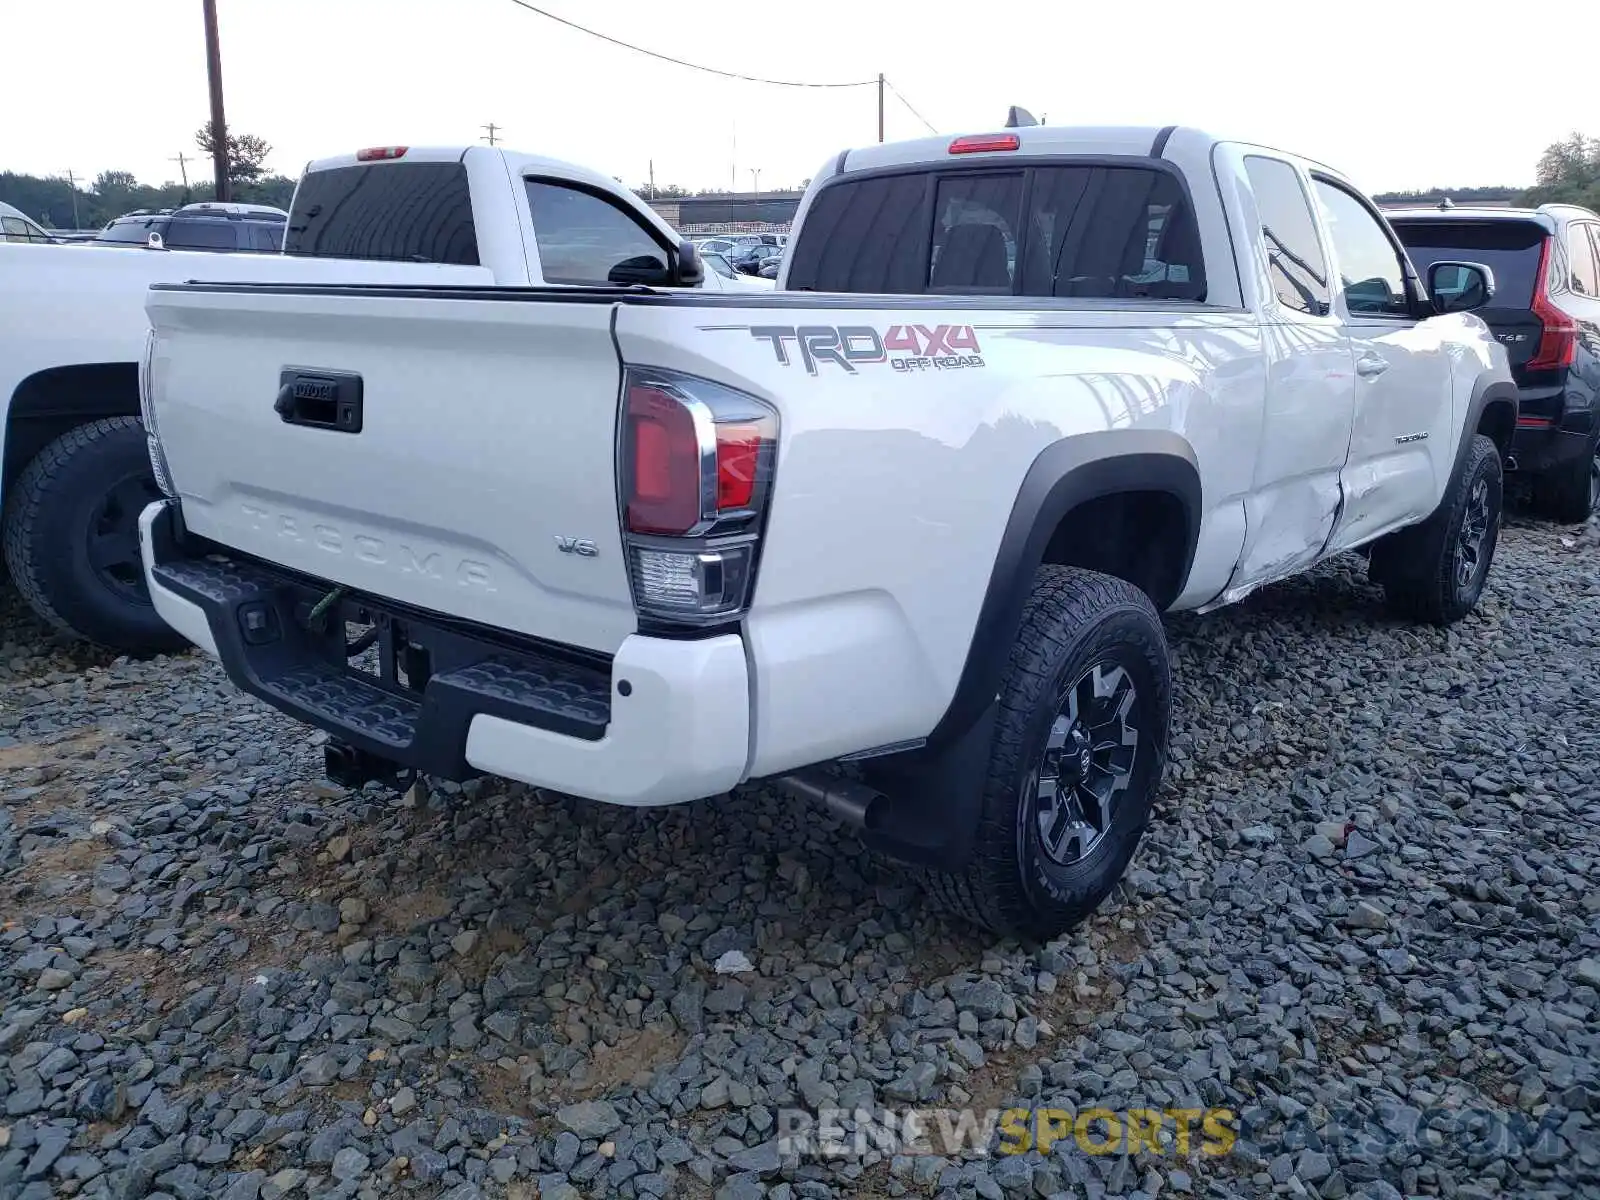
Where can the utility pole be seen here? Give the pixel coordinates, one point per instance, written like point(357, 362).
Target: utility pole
point(652, 177)
point(755, 180)
point(491, 127)
point(72, 186)
point(183, 168)
point(219, 123)
point(880, 106)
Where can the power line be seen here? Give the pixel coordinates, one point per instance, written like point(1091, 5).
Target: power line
point(682, 63)
point(909, 109)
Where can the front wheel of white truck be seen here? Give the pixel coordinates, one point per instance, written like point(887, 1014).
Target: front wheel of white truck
point(1079, 747)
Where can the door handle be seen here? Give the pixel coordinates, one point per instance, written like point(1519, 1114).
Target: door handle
point(1369, 366)
point(320, 399)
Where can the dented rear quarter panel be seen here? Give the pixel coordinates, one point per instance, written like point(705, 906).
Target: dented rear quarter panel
point(896, 476)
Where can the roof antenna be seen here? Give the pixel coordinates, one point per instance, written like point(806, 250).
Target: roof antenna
point(1018, 117)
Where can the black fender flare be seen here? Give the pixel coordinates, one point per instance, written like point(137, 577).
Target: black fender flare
point(1066, 474)
point(1494, 397)
point(935, 791)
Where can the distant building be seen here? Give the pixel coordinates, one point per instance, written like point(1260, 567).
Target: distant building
point(730, 212)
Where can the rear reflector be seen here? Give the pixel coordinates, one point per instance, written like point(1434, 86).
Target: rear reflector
point(1535, 422)
point(738, 452)
point(986, 142)
point(379, 153)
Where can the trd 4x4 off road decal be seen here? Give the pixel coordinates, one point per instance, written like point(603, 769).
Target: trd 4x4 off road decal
point(849, 347)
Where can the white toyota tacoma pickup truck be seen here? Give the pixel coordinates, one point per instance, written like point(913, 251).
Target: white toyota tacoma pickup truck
point(74, 472)
point(918, 511)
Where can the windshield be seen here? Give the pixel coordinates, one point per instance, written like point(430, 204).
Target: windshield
point(132, 229)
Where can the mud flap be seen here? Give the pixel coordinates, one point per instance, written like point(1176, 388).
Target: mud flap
point(935, 797)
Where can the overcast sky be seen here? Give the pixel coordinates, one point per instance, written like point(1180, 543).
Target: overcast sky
point(1398, 95)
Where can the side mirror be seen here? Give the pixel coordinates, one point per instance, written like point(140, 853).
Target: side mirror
point(691, 270)
point(643, 269)
point(155, 242)
point(1460, 286)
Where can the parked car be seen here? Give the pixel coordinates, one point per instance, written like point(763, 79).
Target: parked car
point(1546, 313)
point(770, 266)
point(747, 259)
point(17, 226)
point(927, 530)
point(721, 266)
point(74, 470)
point(715, 246)
point(207, 225)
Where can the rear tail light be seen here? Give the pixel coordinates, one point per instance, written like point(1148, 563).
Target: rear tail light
point(984, 143)
point(1558, 344)
point(380, 153)
point(147, 417)
point(696, 467)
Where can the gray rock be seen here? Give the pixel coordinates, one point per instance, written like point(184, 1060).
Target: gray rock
point(245, 1187)
point(1367, 915)
point(741, 1187)
point(590, 1118)
point(567, 1149)
point(320, 1069)
point(349, 1164)
point(763, 1160)
point(1359, 845)
point(556, 1187)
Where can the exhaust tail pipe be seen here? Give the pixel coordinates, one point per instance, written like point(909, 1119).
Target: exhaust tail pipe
point(856, 804)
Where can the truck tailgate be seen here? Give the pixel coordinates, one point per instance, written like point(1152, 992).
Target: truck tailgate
point(457, 454)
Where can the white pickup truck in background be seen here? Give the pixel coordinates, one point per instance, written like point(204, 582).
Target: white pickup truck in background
point(647, 546)
point(74, 471)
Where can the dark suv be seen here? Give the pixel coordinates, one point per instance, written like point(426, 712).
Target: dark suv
point(204, 226)
point(1546, 313)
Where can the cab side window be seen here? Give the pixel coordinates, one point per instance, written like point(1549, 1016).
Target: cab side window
point(1371, 278)
point(586, 238)
point(1294, 252)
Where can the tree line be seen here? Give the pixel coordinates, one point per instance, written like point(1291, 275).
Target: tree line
point(58, 204)
point(1568, 172)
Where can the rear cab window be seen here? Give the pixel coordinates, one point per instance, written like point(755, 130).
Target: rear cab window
point(1509, 248)
point(1057, 227)
point(394, 211)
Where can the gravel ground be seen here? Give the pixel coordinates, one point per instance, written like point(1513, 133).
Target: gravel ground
point(1368, 922)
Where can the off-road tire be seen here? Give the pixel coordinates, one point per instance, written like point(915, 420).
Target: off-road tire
point(1419, 566)
point(1568, 494)
point(56, 503)
point(1074, 620)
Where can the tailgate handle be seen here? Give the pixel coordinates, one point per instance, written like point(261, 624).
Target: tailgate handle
point(319, 399)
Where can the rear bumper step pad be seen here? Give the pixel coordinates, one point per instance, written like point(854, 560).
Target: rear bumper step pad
point(258, 618)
